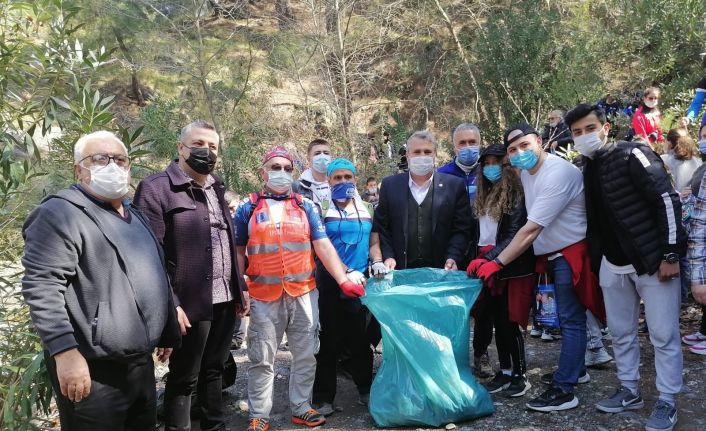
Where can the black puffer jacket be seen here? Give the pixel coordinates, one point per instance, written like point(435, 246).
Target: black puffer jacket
point(629, 180)
point(508, 225)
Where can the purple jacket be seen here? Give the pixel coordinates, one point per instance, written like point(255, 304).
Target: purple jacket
point(178, 213)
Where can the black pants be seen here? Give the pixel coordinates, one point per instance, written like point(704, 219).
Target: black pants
point(343, 321)
point(198, 364)
point(122, 397)
point(702, 329)
point(492, 313)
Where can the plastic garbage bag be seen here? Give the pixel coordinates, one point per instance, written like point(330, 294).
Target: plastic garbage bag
point(425, 376)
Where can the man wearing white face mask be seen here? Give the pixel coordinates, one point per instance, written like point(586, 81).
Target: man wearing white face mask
point(98, 293)
point(278, 229)
point(313, 183)
point(633, 217)
point(423, 218)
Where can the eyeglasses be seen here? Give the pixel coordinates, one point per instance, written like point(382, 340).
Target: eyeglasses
point(287, 168)
point(105, 159)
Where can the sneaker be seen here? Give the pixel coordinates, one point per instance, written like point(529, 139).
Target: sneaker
point(499, 382)
point(364, 399)
point(535, 332)
point(692, 339)
point(548, 379)
point(481, 366)
point(599, 357)
point(699, 348)
point(663, 417)
point(325, 409)
point(549, 337)
point(605, 335)
point(519, 385)
point(623, 399)
point(259, 424)
point(552, 400)
point(311, 418)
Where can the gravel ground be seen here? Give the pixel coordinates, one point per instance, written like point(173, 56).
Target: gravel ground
point(510, 414)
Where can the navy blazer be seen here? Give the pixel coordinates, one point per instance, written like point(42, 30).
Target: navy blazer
point(451, 219)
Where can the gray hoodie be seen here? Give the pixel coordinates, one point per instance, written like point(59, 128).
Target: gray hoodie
point(96, 281)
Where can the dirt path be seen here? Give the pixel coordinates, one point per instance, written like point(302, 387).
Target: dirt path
point(511, 414)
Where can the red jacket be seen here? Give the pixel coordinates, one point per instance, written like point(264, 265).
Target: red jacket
point(647, 125)
point(585, 281)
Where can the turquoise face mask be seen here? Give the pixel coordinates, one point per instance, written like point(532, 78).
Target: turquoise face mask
point(492, 172)
point(524, 160)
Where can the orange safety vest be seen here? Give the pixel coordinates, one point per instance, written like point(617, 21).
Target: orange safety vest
point(279, 259)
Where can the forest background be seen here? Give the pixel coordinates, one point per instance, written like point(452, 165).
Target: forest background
point(363, 74)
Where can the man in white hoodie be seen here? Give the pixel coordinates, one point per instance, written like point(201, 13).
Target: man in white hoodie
point(313, 183)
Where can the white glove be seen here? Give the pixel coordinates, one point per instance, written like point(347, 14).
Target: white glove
point(379, 269)
point(356, 277)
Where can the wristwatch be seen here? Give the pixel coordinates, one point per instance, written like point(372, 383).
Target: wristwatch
point(671, 258)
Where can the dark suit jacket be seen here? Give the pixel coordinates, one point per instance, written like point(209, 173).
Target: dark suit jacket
point(178, 213)
point(451, 219)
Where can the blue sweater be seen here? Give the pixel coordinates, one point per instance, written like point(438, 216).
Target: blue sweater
point(452, 168)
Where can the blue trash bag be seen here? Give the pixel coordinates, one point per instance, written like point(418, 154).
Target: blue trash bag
point(425, 376)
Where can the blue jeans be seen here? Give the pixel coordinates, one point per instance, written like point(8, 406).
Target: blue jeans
point(572, 317)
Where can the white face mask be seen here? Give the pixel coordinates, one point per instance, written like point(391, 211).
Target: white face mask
point(421, 165)
point(650, 103)
point(553, 123)
point(320, 162)
point(279, 181)
point(588, 144)
point(109, 181)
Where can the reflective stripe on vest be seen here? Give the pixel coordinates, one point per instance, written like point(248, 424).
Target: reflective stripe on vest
point(280, 256)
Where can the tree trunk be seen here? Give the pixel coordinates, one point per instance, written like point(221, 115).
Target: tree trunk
point(285, 16)
point(134, 79)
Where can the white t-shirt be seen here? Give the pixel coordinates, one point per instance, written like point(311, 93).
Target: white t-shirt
point(555, 200)
point(488, 230)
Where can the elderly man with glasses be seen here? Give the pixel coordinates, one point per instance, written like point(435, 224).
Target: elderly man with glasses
point(280, 231)
point(98, 293)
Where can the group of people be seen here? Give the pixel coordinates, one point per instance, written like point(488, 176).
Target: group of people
point(109, 280)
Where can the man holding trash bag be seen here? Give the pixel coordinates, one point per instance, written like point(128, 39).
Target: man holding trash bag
point(423, 217)
point(556, 228)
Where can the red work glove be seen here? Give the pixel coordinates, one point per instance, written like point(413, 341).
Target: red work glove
point(474, 265)
point(352, 290)
point(488, 269)
point(485, 249)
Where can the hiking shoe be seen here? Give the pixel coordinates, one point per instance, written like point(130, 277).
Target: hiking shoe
point(519, 385)
point(311, 418)
point(549, 337)
point(325, 409)
point(548, 379)
point(552, 400)
point(535, 332)
point(259, 424)
point(663, 417)
point(599, 357)
point(623, 399)
point(698, 348)
point(692, 339)
point(481, 366)
point(499, 382)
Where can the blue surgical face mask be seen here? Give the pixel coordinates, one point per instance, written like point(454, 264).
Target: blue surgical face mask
point(320, 162)
point(343, 191)
point(524, 160)
point(702, 146)
point(492, 172)
point(468, 155)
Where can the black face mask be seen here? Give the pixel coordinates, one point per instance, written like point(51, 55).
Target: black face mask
point(201, 160)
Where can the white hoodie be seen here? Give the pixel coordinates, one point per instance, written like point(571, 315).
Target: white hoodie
point(320, 190)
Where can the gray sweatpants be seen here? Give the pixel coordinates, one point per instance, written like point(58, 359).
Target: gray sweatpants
point(593, 331)
point(299, 319)
point(622, 293)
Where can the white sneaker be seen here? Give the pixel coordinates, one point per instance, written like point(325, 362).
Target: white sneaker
point(698, 348)
point(546, 336)
point(535, 332)
point(692, 339)
point(599, 357)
